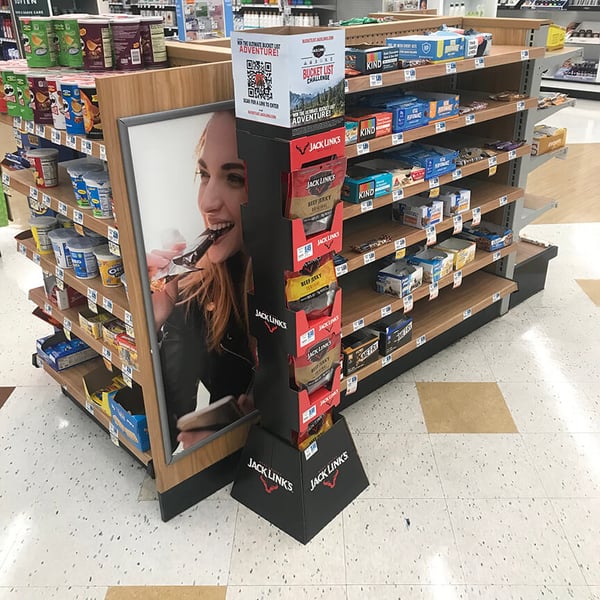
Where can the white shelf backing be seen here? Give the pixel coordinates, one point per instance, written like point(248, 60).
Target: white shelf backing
point(540, 159)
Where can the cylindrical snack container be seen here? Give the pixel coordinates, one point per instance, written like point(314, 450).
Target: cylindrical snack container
point(57, 106)
point(92, 122)
point(64, 222)
point(38, 41)
point(96, 41)
point(97, 238)
point(110, 266)
point(44, 162)
point(124, 283)
point(3, 106)
point(84, 261)
point(9, 83)
point(127, 44)
point(99, 193)
point(40, 228)
point(59, 239)
point(40, 97)
point(72, 99)
point(76, 169)
point(154, 49)
point(66, 29)
point(23, 96)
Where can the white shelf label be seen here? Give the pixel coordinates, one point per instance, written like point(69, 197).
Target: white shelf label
point(22, 249)
point(55, 136)
point(369, 257)
point(434, 182)
point(5, 178)
point(366, 206)
point(346, 86)
point(421, 340)
point(77, 217)
point(358, 324)
point(503, 200)
point(386, 360)
point(59, 272)
point(128, 381)
point(386, 310)
point(450, 68)
point(458, 223)
point(497, 255)
point(67, 324)
point(62, 208)
point(29, 126)
point(492, 161)
point(113, 235)
point(72, 141)
point(114, 433)
point(128, 318)
point(476, 216)
point(376, 80)
point(467, 313)
point(129, 330)
point(309, 414)
point(408, 303)
point(431, 235)
point(524, 54)
point(46, 200)
point(89, 406)
point(307, 338)
point(434, 290)
point(400, 244)
point(496, 297)
point(102, 152)
point(470, 119)
point(17, 122)
point(48, 308)
point(351, 384)
point(107, 303)
point(410, 74)
point(362, 148)
point(397, 138)
point(520, 105)
point(33, 192)
point(479, 62)
point(36, 258)
point(128, 371)
point(92, 295)
point(60, 284)
point(40, 130)
point(93, 306)
point(114, 248)
point(86, 146)
point(440, 127)
point(456, 174)
point(457, 279)
point(341, 269)
point(397, 195)
point(512, 154)
point(304, 252)
point(106, 353)
point(311, 450)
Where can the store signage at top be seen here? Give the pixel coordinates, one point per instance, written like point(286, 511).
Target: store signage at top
point(290, 77)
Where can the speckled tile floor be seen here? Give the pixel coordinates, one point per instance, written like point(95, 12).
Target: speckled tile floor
point(505, 514)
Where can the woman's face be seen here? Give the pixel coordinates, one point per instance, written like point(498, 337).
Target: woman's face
point(222, 186)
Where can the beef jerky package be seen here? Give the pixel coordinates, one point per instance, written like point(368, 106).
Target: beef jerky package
point(313, 193)
point(313, 288)
point(318, 427)
point(314, 368)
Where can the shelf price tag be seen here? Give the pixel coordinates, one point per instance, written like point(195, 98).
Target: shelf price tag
point(106, 353)
point(33, 192)
point(89, 406)
point(470, 119)
point(59, 272)
point(408, 303)
point(114, 248)
point(366, 206)
point(113, 235)
point(346, 86)
point(92, 295)
point(304, 252)
point(457, 279)
point(358, 324)
point(46, 200)
point(386, 310)
point(421, 340)
point(128, 319)
point(397, 195)
point(36, 258)
point(311, 450)
point(362, 148)
point(434, 290)
point(40, 130)
point(60, 284)
point(102, 152)
point(456, 174)
point(467, 313)
point(351, 384)
point(63, 209)
point(107, 303)
point(375, 80)
point(86, 146)
point(497, 256)
point(476, 216)
point(6, 179)
point(492, 161)
point(496, 297)
point(307, 338)
point(512, 154)
point(410, 74)
point(369, 257)
point(431, 235)
point(309, 414)
point(55, 136)
point(21, 248)
point(524, 54)
point(458, 224)
point(450, 68)
point(440, 127)
point(386, 360)
point(48, 308)
point(520, 105)
point(503, 200)
point(77, 217)
point(114, 433)
point(128, 371)
point(479, 62)
point(17, 122)
point(72, 141)
point(400, 244)
point(397, 139)
point(341, 269)
point(67, 324)
point(434, 182)
point(29, 126)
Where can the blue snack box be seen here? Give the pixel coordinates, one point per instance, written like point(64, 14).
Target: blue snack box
point(434, 159)
point(437, 47)
point(61, 353)
point(351, 132)
point(488, 236)
point(439, 106)
point(363, 184)
point(393, 332)
point(408, 112)
point(127, 411)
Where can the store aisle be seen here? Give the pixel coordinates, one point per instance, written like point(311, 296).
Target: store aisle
point(483, 462)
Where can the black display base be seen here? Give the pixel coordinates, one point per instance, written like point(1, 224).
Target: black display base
point(531, 275)
point(299, 495)
point(189, 492)
point(285, 133)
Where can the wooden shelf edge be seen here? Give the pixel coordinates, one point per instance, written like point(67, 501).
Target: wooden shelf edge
point(70, 379)
point(527, 250)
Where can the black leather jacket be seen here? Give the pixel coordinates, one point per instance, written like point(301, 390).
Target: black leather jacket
point(186, 360)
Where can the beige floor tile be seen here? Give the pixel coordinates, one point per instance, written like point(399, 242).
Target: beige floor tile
point(465, 408)
point(166, 593)
point(592, 288)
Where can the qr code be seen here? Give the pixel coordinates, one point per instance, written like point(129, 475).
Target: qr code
point(260, 79)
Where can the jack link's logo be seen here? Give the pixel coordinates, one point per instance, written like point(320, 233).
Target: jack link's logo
point(329, 475)
point(319, 183)
point(328, 239)
point(270, 480)
point(271, 322)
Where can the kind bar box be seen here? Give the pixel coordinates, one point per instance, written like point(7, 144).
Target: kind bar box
point(290, 77)
point(393, 333)
point(402, 174)
point(366, 59)
point(371, 124)
point(363, 184)
point(360, 349)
